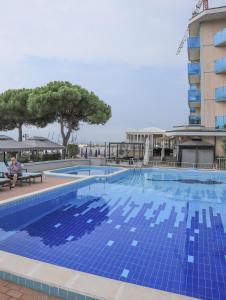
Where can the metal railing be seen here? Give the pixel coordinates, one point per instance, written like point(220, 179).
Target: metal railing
point(182, 165)
point(220, 164)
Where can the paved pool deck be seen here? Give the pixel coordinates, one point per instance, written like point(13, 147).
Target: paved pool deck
point(25, 188)
point(12, 291)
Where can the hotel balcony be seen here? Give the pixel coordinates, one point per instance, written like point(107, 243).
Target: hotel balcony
point(194, 97)
point(193, 48)
point(192, 109)
point(220, 94)
point(220, 66)
point(194, 73)
point(220, 38)
point(194, 120)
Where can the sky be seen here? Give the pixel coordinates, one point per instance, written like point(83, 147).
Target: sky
point(123, 50)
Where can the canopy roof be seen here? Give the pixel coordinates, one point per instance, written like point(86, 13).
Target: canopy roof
point(42, 143)
point(9, 144)
point(195, 143)
point(147, 130)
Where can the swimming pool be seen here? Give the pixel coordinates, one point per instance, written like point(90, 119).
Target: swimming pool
point(87, 170)
point(163, 229)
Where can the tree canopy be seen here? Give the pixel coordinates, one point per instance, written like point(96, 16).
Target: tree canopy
point(58, 101)
point(68, 105)
point(14, 111)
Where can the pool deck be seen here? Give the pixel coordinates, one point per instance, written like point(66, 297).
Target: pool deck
point(86, 285)
point(22, 189)
point(12, 291)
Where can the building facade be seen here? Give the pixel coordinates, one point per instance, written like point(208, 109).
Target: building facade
point(207, 68)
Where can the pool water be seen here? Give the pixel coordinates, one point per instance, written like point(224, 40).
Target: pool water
point(88, 170)
point(163, 229)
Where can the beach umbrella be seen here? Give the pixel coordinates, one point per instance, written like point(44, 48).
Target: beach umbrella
point(82, 152)
point(96, 153)
point(147, 151)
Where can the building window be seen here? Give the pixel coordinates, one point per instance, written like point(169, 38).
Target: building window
point(220, 122)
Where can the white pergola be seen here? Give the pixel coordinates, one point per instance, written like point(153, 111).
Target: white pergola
point(154, 134)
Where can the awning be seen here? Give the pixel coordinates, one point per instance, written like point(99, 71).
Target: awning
point(7, 144)
point(41, 143)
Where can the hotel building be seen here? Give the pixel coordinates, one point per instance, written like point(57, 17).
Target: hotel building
point(207, 68)
point(204, 138)
point(206, 46)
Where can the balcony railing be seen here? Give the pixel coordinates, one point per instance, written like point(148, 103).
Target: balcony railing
point(194, 69)
point(220, 94)
point(220, 65)
point(220, 38)
point(193, 42)
point(194, 73)
point(194, 95)
point(194, 120)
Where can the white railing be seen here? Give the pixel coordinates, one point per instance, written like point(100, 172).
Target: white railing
point(167, 164)
point(183, 165)
point(221, 163)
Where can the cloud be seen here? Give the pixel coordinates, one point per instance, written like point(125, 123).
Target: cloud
point(125, 31)
point(124, 50)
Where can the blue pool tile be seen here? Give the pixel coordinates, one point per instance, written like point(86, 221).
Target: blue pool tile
point(69, 238)
point(192, 238)
point(57, 225)
point(134, 243)
point(110, 243)
point(63, 293)
point(190, 258)
point(133, 229)
point(76, 215)
point(89, 221)
point(125, 273)
point(169, 235)
point(117, 226)
point(109, 221)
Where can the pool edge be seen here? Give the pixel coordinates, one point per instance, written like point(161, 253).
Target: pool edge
point(72, 285)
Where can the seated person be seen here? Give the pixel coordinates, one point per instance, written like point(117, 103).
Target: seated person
point(15, 170)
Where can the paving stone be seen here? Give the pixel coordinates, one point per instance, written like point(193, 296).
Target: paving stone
point(15, 294)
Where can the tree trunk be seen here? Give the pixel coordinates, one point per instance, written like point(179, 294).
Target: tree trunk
point(65, 138)
point(20, 138)
point(20, 133)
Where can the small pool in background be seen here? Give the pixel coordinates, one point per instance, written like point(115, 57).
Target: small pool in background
point(164, 229)
point(88, 170)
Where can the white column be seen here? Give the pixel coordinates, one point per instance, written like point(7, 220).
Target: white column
point(151, 144)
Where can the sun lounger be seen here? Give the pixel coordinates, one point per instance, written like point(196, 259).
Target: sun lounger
point(24, 177)
point(5, 181)
point(32, 175)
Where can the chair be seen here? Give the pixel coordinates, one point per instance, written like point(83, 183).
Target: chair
point(5, 181)
point(4, 170)
point(25, 176)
